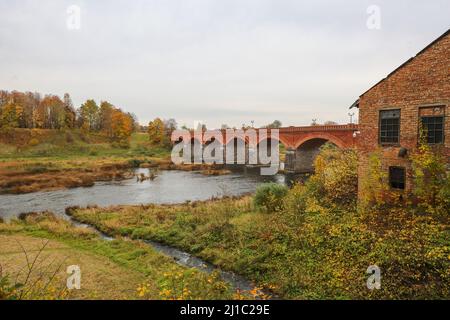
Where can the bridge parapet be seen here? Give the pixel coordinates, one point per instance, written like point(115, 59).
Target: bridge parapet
point(292, 137)
point(334, 127)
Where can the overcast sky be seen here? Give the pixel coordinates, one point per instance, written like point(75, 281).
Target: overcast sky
point(218, 61)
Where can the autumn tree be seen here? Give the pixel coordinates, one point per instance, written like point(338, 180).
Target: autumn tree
point(57, 115)
point(27, 101)
point(41, 114)
point(11, 116)
point(106, 118)
point(157, 133)
point(170, 125)
point(88, 115)
point(69, 111)
point(20, 100)
point(32, 101)
point(121, 126)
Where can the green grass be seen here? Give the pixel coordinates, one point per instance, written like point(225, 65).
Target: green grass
point(57, 146)
point(137, 263)
point(311, 252)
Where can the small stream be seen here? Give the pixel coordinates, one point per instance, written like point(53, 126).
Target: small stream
point(187, 260)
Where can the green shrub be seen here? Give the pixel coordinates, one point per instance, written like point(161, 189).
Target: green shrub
point(269, 196)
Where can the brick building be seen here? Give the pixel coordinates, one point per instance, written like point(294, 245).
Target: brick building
point(391, 112)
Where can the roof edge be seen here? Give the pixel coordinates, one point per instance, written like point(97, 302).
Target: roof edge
point(409, 60)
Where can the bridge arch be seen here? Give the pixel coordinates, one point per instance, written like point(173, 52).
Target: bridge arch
point(308, 148)
point(322, 136)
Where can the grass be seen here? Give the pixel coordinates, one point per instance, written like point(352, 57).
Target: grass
point(118, 269)
point(56, 163)
point(55, 145)
point(306, 251)
point(64, 159)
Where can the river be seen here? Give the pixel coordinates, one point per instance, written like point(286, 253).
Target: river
point(169, 187)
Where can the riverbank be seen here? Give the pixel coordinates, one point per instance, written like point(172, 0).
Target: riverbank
point(116, 269)
point(43, 160)
point(58, 162)
point(47, 174)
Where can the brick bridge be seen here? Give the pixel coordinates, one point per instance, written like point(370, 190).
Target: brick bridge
point(302, 144)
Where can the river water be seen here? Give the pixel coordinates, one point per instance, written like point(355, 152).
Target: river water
point(169, 187)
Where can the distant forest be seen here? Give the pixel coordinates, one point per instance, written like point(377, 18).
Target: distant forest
point(32, 110)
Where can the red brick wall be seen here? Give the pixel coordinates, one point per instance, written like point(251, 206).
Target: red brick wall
point(423, 81)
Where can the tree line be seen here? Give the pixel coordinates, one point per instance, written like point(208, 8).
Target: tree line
point(32, 110)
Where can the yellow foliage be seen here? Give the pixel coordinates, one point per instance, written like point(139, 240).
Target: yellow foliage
point(121, 125)
point(374, 183)
point(336, 174)
point(156, 133)
point(11, 115)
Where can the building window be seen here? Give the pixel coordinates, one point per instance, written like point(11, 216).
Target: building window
point(397, 177)
point(433, 128)
point(389, 126)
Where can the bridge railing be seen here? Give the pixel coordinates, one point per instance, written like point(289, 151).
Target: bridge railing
point(333, 127)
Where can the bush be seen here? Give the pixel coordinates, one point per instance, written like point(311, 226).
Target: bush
point(269, 196)
point(431, 178)
point(33, 142)
point(336, 175)
point(135, 163)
